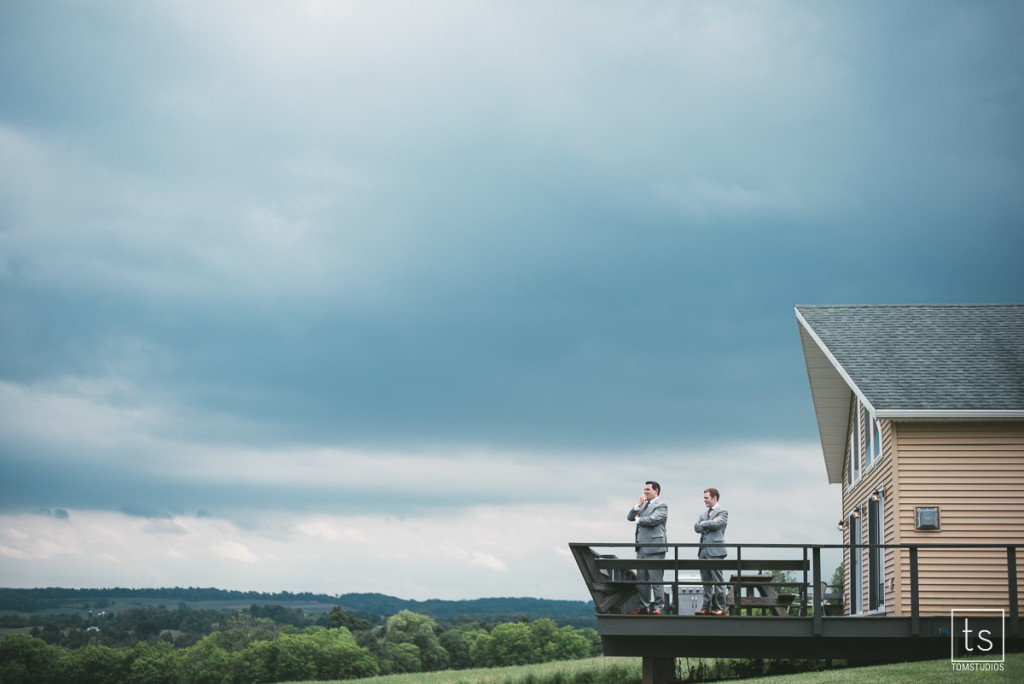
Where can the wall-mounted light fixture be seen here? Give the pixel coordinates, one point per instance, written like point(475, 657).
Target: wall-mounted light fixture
point(856, 512)
point(842, 526)
point(877, 494)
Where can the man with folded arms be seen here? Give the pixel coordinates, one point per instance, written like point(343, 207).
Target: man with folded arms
point(711, 528)
point(650, 515)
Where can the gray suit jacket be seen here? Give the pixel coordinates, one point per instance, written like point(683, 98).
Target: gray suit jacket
point(650, 526)
point(712, 532)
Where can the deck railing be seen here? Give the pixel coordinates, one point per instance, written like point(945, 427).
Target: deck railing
point(610, 590)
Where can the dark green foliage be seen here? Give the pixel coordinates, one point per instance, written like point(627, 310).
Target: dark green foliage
point(339, 618)
point(93, 665)
point(368, 606)
point(266, 643)
point(279, 614)
point(615, 675)
point(421, 631)
point(243, 630)
point(400, 659)
point(159, 664)
point(838, 580)
point(792, 585)
point(25, 659)
point(519, 643)
point(207, 663)
point(742, 668)
point(458, 643)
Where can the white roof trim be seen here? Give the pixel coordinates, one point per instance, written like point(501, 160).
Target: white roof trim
point(831, 393)
point(835, 364)
point(832, 390)
point(950, 413)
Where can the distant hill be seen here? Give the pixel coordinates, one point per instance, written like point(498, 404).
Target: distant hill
point(56, 599)
point(439, 609)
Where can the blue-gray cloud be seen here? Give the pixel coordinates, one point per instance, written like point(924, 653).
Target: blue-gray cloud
point(571, 226)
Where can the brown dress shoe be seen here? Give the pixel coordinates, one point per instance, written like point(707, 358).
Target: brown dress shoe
point(655, 612)
point(718, 612)
point(702, 611)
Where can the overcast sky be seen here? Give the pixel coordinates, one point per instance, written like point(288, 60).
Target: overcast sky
point(405, 296)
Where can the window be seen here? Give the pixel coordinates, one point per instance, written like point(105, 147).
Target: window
point(876, 439)
point(855, 442)
point(865, 441)
point(866, 434)
point(872, 439)
point(849, 462)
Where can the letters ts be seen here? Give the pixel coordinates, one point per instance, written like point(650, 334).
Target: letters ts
point(982, 636)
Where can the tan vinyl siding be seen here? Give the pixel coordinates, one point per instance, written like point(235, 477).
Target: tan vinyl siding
point(974, 473)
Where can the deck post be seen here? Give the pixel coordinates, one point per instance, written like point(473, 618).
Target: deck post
point(803, 591)
point(737, 590)
point(659, 670)
point(673, 604)
point(1011, 571)
point(915, 594)
point(816, 601)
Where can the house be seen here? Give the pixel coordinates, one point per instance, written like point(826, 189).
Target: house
point(920, 412)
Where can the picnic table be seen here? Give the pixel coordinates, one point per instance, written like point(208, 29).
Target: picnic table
point(831, 601)
point(758, 592)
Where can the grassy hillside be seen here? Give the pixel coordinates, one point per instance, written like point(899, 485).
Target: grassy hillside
point(595, 670)
point(930, 672)
point(628, 671)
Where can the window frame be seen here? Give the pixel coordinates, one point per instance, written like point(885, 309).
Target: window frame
point(855, 445)
point(876, 557)
point(856, 565)
point(865, 442)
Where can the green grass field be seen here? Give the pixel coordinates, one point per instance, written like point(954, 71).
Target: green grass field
point(628, 671)
point(931, 671)
point(568, 672)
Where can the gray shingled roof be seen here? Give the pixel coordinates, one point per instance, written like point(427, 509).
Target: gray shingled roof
point(927, 357)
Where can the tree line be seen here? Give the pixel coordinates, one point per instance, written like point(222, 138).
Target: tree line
point(264, 644)
point(57, 599)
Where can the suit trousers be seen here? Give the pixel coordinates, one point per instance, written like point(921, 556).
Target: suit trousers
point(651, 591)
point(714, 595)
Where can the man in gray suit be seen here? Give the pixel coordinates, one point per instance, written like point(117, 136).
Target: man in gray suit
point(711, 528)
point(650, 515)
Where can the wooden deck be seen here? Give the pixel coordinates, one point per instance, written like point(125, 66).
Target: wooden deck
point(814, 632)
point(675, 636)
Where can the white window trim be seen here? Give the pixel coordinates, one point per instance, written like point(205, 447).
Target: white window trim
point(876, 439)
point(850, 479)
point(865, 442)
point(873, 447)
point(880, 610)
point(869, 439)
point(856, 472)
point(856, 563)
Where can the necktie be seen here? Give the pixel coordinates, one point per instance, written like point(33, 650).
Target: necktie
point(709, 514)
point(646, 504)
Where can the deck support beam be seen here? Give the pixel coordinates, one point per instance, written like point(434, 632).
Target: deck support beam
point(659, 670)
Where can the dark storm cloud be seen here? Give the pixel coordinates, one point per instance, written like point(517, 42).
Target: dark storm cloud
point(575, 227)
